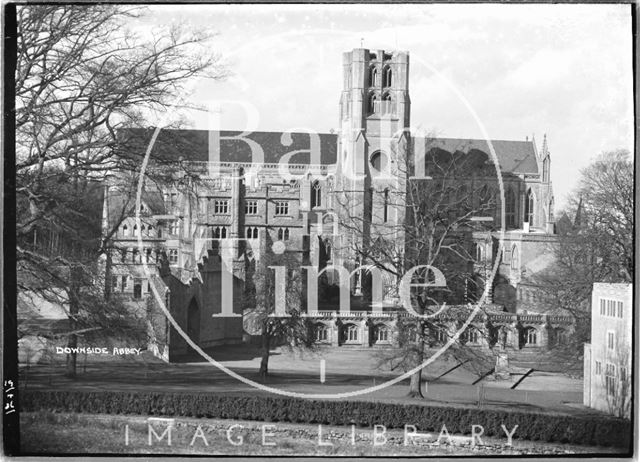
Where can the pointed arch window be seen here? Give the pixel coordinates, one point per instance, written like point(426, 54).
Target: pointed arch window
point(529, 207)
point(385, 212)
point(374, 104)
point(125, 230)
point(283, 234)
point(387, 103)
point(550, 217)
point(316, 194)
point(219, 232)
point(252, 232)
point(381, 333)
point(510, 209)
point(484, 196)
point(388, 77)
point(532, 336)
point(373, 76)
point(322, 333)
point(135, 230)
point(327, 249)
point(514, 257)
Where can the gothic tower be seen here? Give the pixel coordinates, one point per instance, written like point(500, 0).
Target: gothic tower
point(373, 146)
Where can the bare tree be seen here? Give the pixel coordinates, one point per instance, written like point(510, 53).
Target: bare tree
point(596, 246)
point(275, 293)
point(411, 222)
point(81, 77)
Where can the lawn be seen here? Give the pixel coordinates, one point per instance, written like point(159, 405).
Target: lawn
point(347, 370)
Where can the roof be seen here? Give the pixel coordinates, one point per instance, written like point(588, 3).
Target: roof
point(193, 145)
point(518, 157)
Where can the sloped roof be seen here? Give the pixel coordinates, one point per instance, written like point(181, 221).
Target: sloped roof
point(193, 145)
point(518, 157)
point(122, 204)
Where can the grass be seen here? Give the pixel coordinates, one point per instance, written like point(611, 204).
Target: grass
point(59, 434)
point(346, 370)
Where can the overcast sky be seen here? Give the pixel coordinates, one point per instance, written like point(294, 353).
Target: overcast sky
point(563, 70)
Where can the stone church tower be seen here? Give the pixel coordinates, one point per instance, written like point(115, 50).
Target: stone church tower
point(373, 144)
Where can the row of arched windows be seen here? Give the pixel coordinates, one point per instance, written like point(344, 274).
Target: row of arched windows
point(350, 333)
point(378, 106)
point(134, 255)
point(145, 231)
point(283, 234)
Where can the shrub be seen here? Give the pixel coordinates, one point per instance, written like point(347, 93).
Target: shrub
point(581, 430)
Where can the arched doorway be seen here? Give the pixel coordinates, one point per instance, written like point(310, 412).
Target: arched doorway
point(528, 336)
point(193, 321)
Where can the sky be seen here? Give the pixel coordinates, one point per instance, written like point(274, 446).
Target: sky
point(476, 70)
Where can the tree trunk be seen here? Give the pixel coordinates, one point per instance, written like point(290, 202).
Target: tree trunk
point(72, 357)
point(415, 387)
point(264, 361)
point(74, 308)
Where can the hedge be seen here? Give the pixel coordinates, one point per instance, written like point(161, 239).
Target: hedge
point(581, 430)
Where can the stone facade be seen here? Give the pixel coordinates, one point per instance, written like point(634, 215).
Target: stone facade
point(291, 194)
point(608, 358)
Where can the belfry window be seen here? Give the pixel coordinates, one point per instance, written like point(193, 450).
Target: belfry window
point(373, 77)
point(388, 77)
point(374, 104)
point(386, 103)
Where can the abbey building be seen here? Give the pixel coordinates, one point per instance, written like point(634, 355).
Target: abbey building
point(337, 202)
